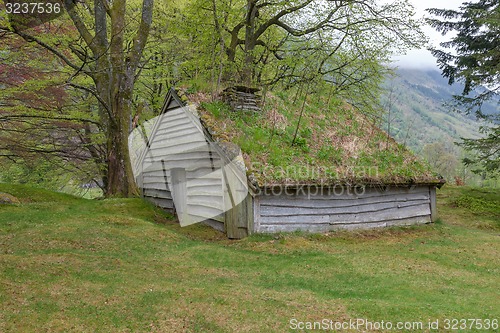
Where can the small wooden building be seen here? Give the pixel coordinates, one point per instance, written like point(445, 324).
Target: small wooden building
point(181, 168)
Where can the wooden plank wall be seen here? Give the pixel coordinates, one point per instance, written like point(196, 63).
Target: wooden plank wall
point(323, 212)
point(178, 143)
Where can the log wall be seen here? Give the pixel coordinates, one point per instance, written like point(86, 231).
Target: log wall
point(321, 212)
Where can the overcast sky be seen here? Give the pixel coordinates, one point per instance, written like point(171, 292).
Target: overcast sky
point(423, 58)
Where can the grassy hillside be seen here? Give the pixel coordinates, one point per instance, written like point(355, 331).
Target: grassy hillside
point(313, 140)
point(120, 265)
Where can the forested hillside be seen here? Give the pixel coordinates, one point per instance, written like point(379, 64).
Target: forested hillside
point(419, 115)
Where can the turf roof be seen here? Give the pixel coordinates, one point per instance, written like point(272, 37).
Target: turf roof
point(335, 143)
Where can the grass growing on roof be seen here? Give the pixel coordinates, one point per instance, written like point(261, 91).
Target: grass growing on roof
point(334, 143)
point(115, 265)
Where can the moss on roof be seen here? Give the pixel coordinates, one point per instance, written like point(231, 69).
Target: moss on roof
point(335, 144)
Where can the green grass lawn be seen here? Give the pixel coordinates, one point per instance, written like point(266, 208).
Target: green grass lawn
point(120, 265)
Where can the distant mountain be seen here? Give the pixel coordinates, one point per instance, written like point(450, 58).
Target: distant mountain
point(416, 112)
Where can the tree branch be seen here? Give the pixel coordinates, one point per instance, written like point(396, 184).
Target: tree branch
point(80, 26)
point(46, 46)
point(96, 95)
point(142, 34)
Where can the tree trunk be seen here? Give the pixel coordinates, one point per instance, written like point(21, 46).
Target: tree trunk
point(120, 83)
point(120, 177)
point(250, 42)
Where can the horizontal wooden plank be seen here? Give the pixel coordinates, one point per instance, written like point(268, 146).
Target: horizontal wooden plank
point(319, 194)
point(177, 135)
point(325, 227)
point(163, 194)
point(217, 225)
point(339, 209)
point(387, 223)
point(212, 193)
point(195, 184)
point(165, 133)
point(196, 171)
point(204, 173)
point(162, 151)
point(203, 182)
point(333, 203)
point(174, 115)
point(156, 186)
point(174, 111)
point(192, 157)
point(204, 211)
point(304, 219)
point(163, 203)
point(204, 152)
point(170, 123)
point(157, 177)
point(199, 172)
point(384, 215)
point(205, 163)
point(217, 204)
point(376, 216)
point(162, 133)
point(165, 147)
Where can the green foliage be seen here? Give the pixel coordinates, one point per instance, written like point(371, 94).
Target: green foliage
point(471, 206)
point(487, 154)
point(46, 174)
point(407, 94)
point(330, 153)
point(477, 205)
point(218, 109)
point(258, 43)
point(306, 133)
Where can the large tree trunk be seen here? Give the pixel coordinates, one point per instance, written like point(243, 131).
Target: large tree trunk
point(114, 79)
point(120, 177)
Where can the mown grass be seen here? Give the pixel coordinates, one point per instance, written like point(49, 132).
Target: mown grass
point(120, 265)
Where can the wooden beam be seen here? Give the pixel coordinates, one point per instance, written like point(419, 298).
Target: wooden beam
point(432, 190)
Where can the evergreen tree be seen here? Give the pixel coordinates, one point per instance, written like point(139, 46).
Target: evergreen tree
point(472, 57)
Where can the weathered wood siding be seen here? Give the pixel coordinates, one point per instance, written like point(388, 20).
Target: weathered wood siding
point(319, 212)
point(178, 143)
point(179, 168)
